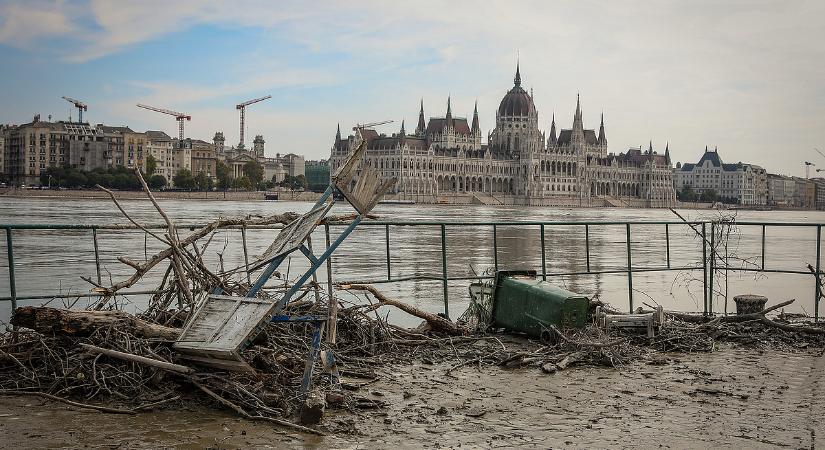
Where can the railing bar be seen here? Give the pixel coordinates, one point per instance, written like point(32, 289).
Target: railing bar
point(245, 255)
point(587, 247)
point(667, 243)
point(444, 269)
point(387, 240)
point(400, 223)
point(629, 270)
point(97, 256)
point(704, 270)
point(543, 256)
point(495, 248)
point(10, 259)
point(818, 289)
point(763, 247)
point(712, 266)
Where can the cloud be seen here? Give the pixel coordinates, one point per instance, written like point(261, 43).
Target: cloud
point(734, 74)
point(23, 24)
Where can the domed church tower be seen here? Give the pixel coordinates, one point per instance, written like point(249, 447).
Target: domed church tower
point(516, 135)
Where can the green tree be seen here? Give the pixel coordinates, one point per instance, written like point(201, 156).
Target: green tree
point(75, 179)
point(242, 183)
point(687, 194)
point(254, 171)
point(121, 181)
point(157, 181)
point(151, 166)
point(184, 180)
point(299, 182)
point(709, 196)
point(203, 182)
point(223, 175)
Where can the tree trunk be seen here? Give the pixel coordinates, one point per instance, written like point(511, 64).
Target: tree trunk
point(83, 323)
point(436, 322)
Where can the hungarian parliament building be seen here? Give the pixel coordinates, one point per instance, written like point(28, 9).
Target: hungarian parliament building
point(444, 161)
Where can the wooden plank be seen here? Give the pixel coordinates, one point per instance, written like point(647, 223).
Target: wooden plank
point(138, 359)
point(291, 237)
point(226, 364)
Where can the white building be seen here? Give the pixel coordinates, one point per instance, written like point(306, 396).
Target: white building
point(169, 158)
point(746, 184)
point(780, 190)
point(444, 160)
point(275, 169)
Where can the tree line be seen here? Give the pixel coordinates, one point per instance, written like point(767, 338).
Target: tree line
point(123, 178)
point(687, 194)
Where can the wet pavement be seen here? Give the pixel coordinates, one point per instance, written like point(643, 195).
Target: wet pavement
point(733, 398)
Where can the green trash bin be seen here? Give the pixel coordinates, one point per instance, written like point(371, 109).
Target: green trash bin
point(523, 303)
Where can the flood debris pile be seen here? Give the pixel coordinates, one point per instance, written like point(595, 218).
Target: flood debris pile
point(118, 363)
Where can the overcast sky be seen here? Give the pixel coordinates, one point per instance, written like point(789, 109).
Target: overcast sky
point(746, 76)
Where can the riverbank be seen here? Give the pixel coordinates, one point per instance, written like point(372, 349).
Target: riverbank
point(467, 199)
point(169, 195)
point(731, 398)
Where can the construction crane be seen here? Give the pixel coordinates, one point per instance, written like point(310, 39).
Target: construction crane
point(180, 117)
point(808, 169)
point(358, 127)
point(242, 108)
point(79, 105)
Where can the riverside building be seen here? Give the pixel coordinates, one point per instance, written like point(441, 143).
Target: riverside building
point(745, 184)
point(445, 160)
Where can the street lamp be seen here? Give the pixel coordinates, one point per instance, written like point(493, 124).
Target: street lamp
point(50, 181)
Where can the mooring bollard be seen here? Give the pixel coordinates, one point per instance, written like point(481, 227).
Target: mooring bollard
point(749, 303)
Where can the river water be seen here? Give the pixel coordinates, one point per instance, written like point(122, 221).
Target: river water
point(52, 262)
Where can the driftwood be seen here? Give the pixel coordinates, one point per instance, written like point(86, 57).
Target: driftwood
point(437, 323)
point(177, 368)
point(50, 321)
point(745, 317)
point(142, 268)
point(243, 413)
point(68, 402)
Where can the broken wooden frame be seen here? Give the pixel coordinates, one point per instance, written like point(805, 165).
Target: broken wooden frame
point(222, 326)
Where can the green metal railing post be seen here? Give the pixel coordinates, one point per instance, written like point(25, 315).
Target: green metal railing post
point(629, 270)
point(444, 269)
point(10, 258)
point(587, 246)
point(763, 247)
point(818, 288)
point(495, 248)
point(667, 243)
point(387, 240)
point(712, 265)
point(704, 270)
point(97, 255)
point(543, 256)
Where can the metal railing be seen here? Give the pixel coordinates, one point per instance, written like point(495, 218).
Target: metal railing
point(705, 230)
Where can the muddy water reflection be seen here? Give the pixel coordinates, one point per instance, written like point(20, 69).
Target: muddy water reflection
point(51, 262)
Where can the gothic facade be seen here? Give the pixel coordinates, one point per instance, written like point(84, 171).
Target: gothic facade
point(444, 159)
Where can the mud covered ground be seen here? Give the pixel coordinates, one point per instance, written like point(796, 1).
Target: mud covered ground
point(732, 398)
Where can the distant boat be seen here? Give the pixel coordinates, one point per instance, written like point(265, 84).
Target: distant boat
point(396, 202)
point(271, 196)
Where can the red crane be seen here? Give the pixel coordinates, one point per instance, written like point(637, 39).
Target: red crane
point(180, 117)
point(242, 108)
